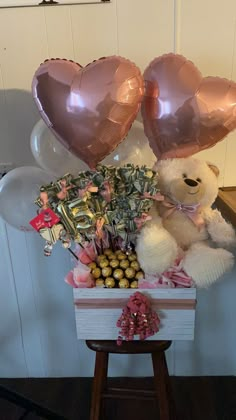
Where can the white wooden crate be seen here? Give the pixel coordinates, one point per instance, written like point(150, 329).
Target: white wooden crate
point(97, 311)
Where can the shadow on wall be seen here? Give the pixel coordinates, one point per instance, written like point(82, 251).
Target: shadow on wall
point(18, 115)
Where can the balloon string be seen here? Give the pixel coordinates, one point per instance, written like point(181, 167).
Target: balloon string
point(74, 255)
point(111, 241)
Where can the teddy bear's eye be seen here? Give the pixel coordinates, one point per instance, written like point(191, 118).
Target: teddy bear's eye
point(185, 176)
point(198, 180)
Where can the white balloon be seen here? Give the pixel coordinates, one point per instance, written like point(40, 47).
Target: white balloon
point(19, 189)
point(134, 149)
point(51, 155)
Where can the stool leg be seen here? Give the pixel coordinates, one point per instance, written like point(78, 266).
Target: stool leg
point(99, 383)
point(162, 385)
point(170, 393)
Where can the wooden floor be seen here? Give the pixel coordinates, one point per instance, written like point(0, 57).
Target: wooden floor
point(202, 398)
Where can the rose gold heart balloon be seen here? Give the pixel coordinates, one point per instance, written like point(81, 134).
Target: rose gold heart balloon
point(184, 113)
point(90, 109)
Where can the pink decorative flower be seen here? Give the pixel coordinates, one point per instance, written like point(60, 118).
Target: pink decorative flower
point(87, 254)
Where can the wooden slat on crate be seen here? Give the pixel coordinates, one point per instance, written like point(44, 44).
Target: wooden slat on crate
point(97, 311)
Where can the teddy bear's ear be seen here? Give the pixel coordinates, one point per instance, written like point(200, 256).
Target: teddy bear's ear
point(214, 169)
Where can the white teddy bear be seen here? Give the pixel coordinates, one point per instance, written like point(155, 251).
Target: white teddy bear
point(185, 221)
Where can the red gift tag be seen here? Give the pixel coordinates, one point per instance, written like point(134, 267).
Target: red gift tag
point(46, 219)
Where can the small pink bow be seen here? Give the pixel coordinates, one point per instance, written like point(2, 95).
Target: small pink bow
point(89, 188)
point(192, 211)
point(63, 193)
point(139, 221)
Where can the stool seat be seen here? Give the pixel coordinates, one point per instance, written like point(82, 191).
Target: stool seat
point(128, 347)
point(162, 387)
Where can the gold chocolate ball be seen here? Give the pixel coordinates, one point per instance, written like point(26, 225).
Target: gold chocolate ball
point(108, 251)
point(135, 265)
point(124, 284)
point(118, 252)
point(92, 265)
point(132, 257)
point(100, 283)
point(139, 275)
point(134, 284)
point(124, 264)
point(112, 256)
point(130, 273)
point(110, 282)
point(121, 256)
point(100, 258)
point(96, 272)
point(114, 263)
point(104, 263)
point(106, 271)
point(118, 274)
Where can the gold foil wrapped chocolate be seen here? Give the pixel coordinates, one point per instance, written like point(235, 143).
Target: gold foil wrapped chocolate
point(124, 284)
point(132, 257)
point(92, 265)
point(124, 264)
point(135, 265)
point(139, 275)
point(110, 282)
point(108, 252)
point(100, 283)
point(130, 273)
point(114, 263)
point(103, 263)
point(121, 256)
point(118, 274)
point(111, 256)
point(96, 272)
point(134, 284)
point(100, 258)
point(106, 271)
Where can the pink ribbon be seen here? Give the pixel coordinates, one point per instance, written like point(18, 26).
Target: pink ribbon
point(139, 221)
point(174, 277)
point(106, 192)
point(99, 225)
point(177, 275)
point(192, 211)
point(89, 188)
point(63, 193)
point(87, 254)
point(104, 242)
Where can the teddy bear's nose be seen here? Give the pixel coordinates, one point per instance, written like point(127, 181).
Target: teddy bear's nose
point(191, 182)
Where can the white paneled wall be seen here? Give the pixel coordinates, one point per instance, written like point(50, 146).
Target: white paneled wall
point(37, 326)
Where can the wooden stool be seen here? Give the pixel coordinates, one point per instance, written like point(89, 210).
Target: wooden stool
point(161, 377)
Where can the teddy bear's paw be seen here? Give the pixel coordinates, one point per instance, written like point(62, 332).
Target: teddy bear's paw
point(156, 249)
point(220, 231)
point(206, 265)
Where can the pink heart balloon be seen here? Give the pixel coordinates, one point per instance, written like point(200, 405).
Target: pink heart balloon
point(90, 109)
point(182, 112)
